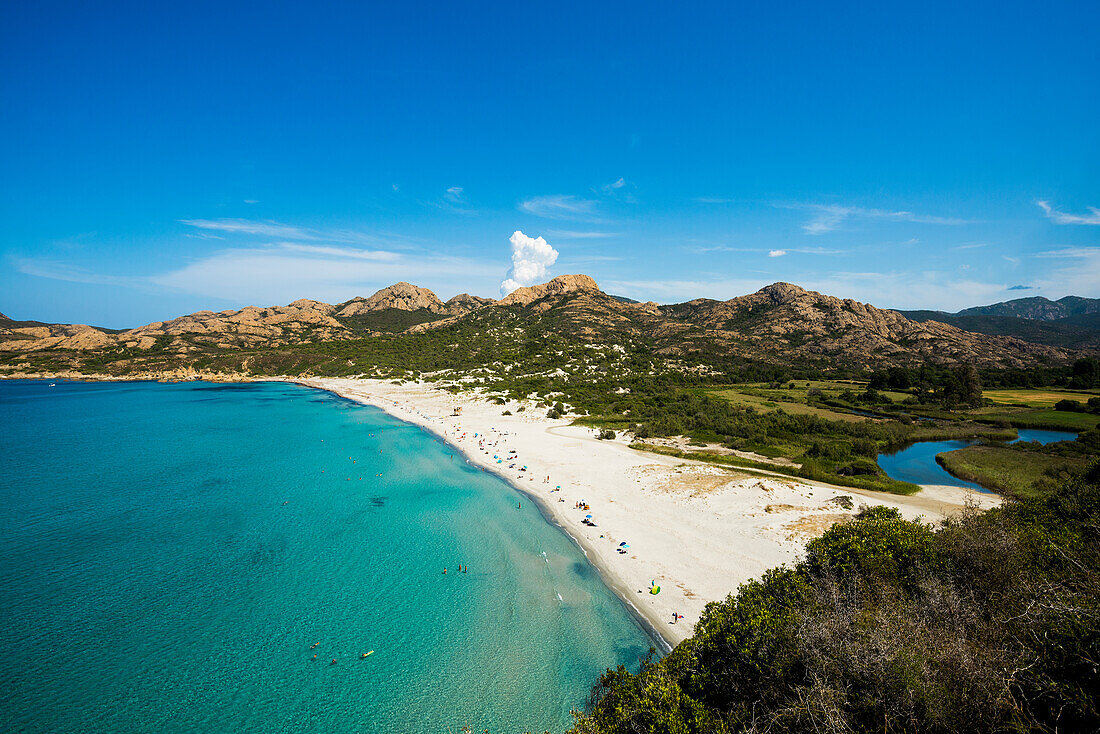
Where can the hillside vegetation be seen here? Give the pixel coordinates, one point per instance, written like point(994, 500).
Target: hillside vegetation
point(986, 623)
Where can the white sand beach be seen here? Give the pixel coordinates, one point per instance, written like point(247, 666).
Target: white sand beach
point(696, 530)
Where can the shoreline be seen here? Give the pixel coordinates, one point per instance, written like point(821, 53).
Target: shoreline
point(649, 625)
point(615, 585)
point(697, 530)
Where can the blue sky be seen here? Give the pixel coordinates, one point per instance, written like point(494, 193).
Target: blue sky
point(160, 158)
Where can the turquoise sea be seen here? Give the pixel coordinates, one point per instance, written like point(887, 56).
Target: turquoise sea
point(170, 553)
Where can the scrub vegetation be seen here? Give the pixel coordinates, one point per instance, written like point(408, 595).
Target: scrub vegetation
point(986, 623)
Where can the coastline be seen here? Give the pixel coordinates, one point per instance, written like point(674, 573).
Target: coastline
point(696, 530)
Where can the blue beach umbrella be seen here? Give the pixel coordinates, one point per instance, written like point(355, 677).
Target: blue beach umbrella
point(588, 516)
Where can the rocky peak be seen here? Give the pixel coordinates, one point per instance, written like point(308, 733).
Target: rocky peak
point(464, 303)
point(401, 296)
point(306, 304)
point(782, 292)
point(557, 286)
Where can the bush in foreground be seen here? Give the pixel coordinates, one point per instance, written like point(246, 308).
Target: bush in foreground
point(987, 623)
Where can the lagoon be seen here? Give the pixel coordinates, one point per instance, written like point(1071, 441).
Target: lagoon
point(917, 463)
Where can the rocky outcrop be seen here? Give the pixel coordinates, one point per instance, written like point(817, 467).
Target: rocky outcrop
point(558, 286)
point(464, 303)
point(401, 296)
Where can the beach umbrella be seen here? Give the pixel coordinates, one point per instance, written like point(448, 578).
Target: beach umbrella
point(588, 517)
point(623, 543)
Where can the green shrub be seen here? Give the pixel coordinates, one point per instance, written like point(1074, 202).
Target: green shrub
point(989, 623)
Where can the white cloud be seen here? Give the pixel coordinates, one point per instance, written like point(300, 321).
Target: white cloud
point(829, 217)
point(531, 259)
point(559, 206)
point(776, 253)
point(454, 195)
point(251, 201)
point(248, 226)
point(1062, 218)
point(614, 185)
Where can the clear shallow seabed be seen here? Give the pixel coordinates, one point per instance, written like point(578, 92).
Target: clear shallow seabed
point(170, 552)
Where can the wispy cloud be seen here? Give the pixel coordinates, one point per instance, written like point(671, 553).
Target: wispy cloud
point(620, 189)
point(248, 226)
point(829, 217)
point(560, 206)
point(1059, 217)
point(704, 249)
point(572, 234)
point(341, 252)
point(60, 270)
point(1078, 276)
point(454, 195)
point(282, 274)
point(270, 262)
point(614, 185)
point(1079, 252)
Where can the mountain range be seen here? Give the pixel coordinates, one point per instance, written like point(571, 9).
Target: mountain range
point(1072, 322)
point(781, 323)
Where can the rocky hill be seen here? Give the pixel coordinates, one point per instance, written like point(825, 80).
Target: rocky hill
point(400, 296)
point(784, 319)
point(781, 323)
point(1037, 307)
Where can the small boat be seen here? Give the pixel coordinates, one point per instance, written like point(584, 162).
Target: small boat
point(366, 654)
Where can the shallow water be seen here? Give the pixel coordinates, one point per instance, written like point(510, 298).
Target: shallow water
point(170, 552)
point(1044, 437)
point(917, 463)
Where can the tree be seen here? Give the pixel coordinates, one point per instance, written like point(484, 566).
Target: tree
point(962, 387)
